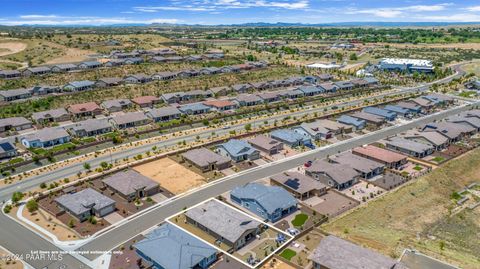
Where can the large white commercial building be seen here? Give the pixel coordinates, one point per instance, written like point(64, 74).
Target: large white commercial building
point(411, 65)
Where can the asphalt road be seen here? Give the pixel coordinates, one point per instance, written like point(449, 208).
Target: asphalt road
point(136, 225)
point(20, 240)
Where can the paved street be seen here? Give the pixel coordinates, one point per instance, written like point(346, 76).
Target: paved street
point(20, 240)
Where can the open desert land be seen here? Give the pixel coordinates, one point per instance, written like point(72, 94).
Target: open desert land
point(7, 263)
point(473, 68)
point(418, 216)
point(170, 175)
point(10, 47)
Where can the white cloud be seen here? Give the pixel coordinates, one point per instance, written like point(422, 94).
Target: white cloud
point(210, 6)
point(395, 12)
point(473, 9)
point(61, 20)
point(459, 17)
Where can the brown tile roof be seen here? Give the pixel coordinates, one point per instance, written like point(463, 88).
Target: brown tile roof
point(85, 107)
point(379, 154)
point(219, 103)
point(144, 99)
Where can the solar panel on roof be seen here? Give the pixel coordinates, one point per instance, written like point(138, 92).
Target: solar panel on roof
point(6, 146)
point(292, 183)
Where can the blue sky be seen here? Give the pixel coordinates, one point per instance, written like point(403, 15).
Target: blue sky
point(104, 12)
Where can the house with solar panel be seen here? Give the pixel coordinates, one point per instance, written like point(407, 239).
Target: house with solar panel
point(268, 202)
point(7, 150)
point(179, 249)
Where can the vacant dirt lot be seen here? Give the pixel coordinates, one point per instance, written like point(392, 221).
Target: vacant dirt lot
point(170, 175)
point(71, 55)
point(7, 48)
point(412, 216)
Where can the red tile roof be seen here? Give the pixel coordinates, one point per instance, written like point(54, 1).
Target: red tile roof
point(85, 107)
point(379, 154)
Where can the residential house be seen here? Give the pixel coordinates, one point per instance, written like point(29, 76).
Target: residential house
point(389, 158)
point(291, 138)
point(185, 73)
point(194, 109)
point(137, 79)
point(60, 68)
point(388, 115)
point(336, 253)
point(366, 167)
point(15, 94)
point(206, 160)
point(400, 111)
point(425, 104)
point(129, 120)
point(313, 130)
point(411, 106)
point(220, 91)
point(358, 124)
point(85, 203)
point(371, 81)
point(135, 60)
point(77, 86)
point(131, 185)
point(266, 144)
point(260, 86)
point(344, 85)
point(248, 100)
point(311, 90)
point(469, 122)
point(163, 114)
point(209, 71)
point(271, 203)
point(42, 90)
point(220, 105)
point(359, 83)
point(7, 149)
point(238, 150)
point(440, 99)
point(146, 101)
point(242, 88)
point(197, 95)
point(370, 119)
point(36, 71)
point(173, 97)
point(163, 76)
point(10, 74)
point(90, 65)
point(335, 127)
point(46, 137)
point(90, 127)
point(14, 124)
point(328, 87)
point(299, 185)
point(180, 250)
point(116, 105)
point(453, 131)
point(335, 175)
point(292, 94)
point(90, 109)
point(224, 223)
point(269, 97)
point(108, 82)
point(114, 62)
point(53, 115)
point(435, 139)
point(409, 147)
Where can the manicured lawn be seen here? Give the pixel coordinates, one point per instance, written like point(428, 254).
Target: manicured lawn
point(299, 220)
point(418, 168)
point(438, 159)
point(288, 254)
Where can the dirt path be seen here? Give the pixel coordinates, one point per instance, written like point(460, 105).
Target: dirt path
point(12, 47)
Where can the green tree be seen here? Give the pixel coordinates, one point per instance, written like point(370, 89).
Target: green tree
point(86, 166)
point(32, 205)
point(17, 196)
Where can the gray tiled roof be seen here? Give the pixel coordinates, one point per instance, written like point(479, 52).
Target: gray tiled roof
point(270, 198)
point(408, 144)
point(54, 113)
point(298, 182)
point(91, 125)
point(203, 157)
point(116, 103)
point(222, 219)
point(172, 248)
point(334, 252)
point(356, 162)
point(129, 117)
point(341, 173)
point(15, 92)
point(128, 182)
point(14, 121)
point(81, 202)
point(47, 134)
point(264, 142)
point(163, 112)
